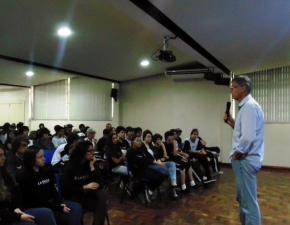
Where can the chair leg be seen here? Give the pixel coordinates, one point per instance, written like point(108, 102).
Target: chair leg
point(125, 191)
point(107, 218)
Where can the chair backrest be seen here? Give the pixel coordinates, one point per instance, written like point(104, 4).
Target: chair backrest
point(48, 154)
point(106, 156)
point(57, 182)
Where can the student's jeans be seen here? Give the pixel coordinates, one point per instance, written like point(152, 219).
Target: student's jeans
point(43, 215)
point(245, 171)
point(169, 168)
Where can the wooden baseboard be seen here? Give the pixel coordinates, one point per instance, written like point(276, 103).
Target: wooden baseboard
point(264, 167)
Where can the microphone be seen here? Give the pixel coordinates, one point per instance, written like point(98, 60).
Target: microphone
point(228, 106)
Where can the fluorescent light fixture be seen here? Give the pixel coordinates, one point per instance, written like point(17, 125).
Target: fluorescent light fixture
point(144, 63)
point(64, 32)
point(29, 73)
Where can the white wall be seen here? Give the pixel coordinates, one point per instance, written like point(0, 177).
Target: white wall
point(16, 95)
point(159, 104)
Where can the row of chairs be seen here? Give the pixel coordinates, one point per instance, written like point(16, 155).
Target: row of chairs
point(130, 179)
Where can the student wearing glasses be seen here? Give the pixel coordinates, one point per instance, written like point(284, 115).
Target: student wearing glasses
point(81, 182)
point(15, 160)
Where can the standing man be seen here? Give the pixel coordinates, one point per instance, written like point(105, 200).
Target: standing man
point(247, 148)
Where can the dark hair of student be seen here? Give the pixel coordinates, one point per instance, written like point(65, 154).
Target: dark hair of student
point(193, 130)
point(81, 126)
point(167, 134)
point(145, 132)
point(22, 129)
point(79, 152)
point(110, 145)
point(128, 129)
point(8, 138)
point(43, 131)
point(119, 129)
point(106, 131)
point(29, 157)
point(173, 130)
point(31, 134)
point(137, 129)
point(9, 182)
point(133, 138)
point(17, 142)
point(72, 137)
point(156, 137)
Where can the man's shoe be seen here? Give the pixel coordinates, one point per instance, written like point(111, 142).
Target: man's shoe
point(209, 180)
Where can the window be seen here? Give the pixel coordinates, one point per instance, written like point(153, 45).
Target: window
point(75, 98)
point(50, 101)
point(89, 99)
point(271, 89)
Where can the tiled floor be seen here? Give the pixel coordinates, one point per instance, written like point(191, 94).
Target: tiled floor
point(211, 205)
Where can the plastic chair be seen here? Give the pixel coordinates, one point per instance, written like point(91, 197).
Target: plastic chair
point(143, 182)
point(48, 154)
point(111, 175)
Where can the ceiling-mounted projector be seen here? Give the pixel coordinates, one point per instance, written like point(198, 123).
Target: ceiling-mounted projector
point(166, 56)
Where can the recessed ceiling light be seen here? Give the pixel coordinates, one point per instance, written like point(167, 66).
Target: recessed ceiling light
point(29, 73)
point(144, 63)
point(64, 32)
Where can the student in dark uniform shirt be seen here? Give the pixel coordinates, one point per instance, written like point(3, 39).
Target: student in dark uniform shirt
point(11, 207)
point(15, 160)
point(82, 182)
point(139, 166)
point(115, 155)
point(37, 186)
point(122, 143)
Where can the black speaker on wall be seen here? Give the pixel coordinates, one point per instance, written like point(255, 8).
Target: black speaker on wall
point(114, 93)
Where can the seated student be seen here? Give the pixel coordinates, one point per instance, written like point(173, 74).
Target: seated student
point(91, 133)
point(32, 136)
point(103, 140)
point(108, 126)
point(12, 127)
point(61, 155)
point(180, 152)
point(180, 161)
point(38, 189)
point(113, 130)
point(15, 160)
point(139, 166)
point(129, 133)
point(44, 142)
point(82, 128)
point(68, 129)
point(24, 130)
point(138, 132)
point(194, 148)
point(8, 142)
point(178, 138)
point(3, 133)
point(121, 141)
point(167, 168)
point(115, 155)
point(11, 204)
point(59, 138)
point(81, 182)
point(195, 143)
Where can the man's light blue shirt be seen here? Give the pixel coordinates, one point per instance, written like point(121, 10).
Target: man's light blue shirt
point(248, 137)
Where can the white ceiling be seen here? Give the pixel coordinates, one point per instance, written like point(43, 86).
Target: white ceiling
point(111, 37)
